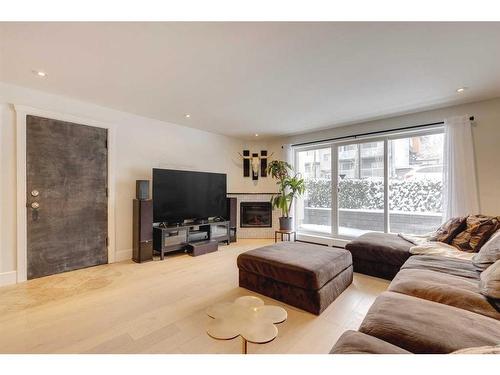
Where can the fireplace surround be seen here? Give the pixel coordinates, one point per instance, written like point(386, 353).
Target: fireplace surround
point(253, 231)
point(256, 215)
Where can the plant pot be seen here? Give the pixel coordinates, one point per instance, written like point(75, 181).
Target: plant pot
point(286, 223)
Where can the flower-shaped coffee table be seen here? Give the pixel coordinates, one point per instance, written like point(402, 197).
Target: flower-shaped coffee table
point(247, 317)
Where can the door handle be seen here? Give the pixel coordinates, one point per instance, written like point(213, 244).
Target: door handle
point(34, 210)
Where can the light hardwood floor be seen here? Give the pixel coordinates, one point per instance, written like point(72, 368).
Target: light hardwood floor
point(159, 307)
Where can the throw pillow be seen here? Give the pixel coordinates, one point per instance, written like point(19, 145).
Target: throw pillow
point(489, 253)
point(450, 229)
point(441, 249)
point(478, 230)
point(489, 284)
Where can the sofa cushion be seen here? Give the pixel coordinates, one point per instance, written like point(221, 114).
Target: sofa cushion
point(479, 350)
point(451, 266)
point(377, 269)
point(443, 288)
point(381, 248)
point(490, 281)
point(479, 229)
point(299, 264)
point(421, 326)
point(489, 252)
point(450, 229)
point(354, 342)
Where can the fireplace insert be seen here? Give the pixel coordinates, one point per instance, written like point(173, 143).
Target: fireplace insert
point(255, 215)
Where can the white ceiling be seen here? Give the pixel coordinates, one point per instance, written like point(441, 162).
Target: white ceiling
point(268, 78)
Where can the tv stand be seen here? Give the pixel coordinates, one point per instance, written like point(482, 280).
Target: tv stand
point(167, 239)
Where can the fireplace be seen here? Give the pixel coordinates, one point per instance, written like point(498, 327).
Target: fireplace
point(256, 215)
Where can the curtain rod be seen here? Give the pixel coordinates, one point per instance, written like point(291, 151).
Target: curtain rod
point(373, 133)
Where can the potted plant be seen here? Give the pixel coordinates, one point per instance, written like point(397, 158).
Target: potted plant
point(289, 188)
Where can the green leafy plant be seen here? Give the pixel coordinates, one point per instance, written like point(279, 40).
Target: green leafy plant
point(289, 186)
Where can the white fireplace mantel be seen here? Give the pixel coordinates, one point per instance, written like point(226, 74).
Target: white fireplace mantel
point(255, 232)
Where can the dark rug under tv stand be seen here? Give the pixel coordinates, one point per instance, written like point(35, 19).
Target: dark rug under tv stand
point(168, 239)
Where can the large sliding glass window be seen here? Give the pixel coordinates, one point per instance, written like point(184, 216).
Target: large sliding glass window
point(360, 184)
point(386, 184)
point(416, 183)
point(314, 209)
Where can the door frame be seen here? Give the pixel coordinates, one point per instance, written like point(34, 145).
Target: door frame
point(22, 232)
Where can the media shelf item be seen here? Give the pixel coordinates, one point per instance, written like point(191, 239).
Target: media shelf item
point(202, 247)
point(167, 239)
point(198, 235)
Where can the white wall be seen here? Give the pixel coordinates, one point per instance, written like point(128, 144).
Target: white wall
point(140, 145)
point(486, 133)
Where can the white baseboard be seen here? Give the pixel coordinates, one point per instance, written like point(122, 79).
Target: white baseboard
point(122, 255)
point(329, 241)
point(339, 242)
point(8, 278)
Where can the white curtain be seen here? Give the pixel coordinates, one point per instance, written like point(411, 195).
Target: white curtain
point(460, 186)
point(288, 154)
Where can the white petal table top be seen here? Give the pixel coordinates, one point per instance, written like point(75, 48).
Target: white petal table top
point(247, 317)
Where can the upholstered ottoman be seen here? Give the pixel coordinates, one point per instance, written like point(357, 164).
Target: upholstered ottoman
point(303, 275)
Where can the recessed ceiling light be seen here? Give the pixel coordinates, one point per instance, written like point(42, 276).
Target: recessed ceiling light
point(40, 73)
point(187, 115)
point(256, 135)
point(461, 89)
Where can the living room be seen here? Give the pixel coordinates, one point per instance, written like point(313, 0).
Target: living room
point(250, 188)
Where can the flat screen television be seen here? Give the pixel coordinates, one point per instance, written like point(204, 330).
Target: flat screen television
point(185, 195)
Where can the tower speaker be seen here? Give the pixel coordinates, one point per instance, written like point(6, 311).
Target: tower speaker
point(142, 247)
point(142, 189)
point(232, 207)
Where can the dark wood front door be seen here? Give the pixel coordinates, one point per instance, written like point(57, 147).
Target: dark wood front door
point(67, 209)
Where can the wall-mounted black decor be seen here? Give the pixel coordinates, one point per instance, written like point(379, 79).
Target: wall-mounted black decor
point(263, 163)
point(255, 163)
point(246, 163)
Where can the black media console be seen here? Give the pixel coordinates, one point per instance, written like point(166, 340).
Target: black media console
point(167, 239)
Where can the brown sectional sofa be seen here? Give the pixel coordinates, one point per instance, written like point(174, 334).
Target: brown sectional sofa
point(433, 305)
point(379, 254)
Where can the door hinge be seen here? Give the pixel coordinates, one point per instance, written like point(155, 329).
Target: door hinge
point(107, 192)
point(106, 143)
point(107, 241)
